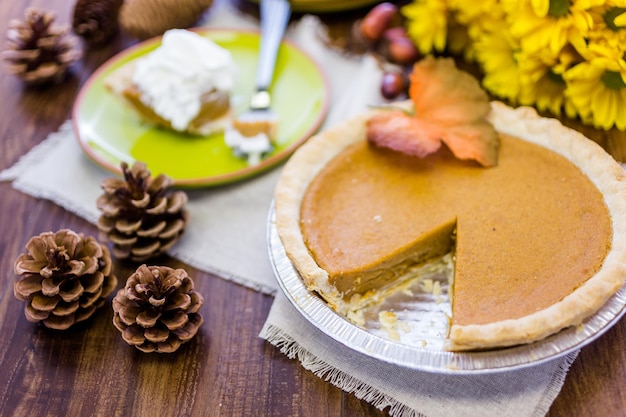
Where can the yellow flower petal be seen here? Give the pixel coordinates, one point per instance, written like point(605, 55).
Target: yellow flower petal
point(620, 20)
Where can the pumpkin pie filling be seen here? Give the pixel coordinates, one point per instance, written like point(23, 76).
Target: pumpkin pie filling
point(534, 219)
point(526, 235)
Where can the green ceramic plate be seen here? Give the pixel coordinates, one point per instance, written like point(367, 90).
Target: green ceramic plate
point(110, 132)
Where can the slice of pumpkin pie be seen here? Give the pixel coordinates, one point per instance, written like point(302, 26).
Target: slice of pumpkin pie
point(538, 236)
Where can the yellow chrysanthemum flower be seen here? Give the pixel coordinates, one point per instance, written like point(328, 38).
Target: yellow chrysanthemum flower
point(561, 56)
point(564, 22)
point(497, 56)
point(606, 57)
point(539, 7)
point(547, 95)
point(542, 84)
point(478, 18)
point(609, 24)
point(598, 94)
point(606, 54)
point(427, 24)
point(467, 12)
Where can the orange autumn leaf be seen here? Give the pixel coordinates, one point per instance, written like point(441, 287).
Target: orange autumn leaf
point(449, 106)
point(396, 130)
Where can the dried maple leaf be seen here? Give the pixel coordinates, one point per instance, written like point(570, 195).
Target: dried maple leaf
point(397, 130)
point(448, 106)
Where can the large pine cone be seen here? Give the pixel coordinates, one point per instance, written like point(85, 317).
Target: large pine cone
point(147, 18)
point(96, 20)
point(158, 309)
point(138, 216)
point(65, 277)
point(37, 51)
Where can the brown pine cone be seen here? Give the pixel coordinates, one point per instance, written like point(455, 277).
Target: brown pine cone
point(147, 18)
point(38, 52)
point(65, 277)
point(96, 21)
point(158, 309)
point(139, 215)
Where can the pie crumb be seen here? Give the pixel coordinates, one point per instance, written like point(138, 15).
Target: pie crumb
point(427, 285)
point(389, 322)
point(436, 290)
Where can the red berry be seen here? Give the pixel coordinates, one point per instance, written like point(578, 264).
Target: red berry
point(378, 20)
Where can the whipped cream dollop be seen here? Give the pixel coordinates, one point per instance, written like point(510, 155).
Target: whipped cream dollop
point(173, 77)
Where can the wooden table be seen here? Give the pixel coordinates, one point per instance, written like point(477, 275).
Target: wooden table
point(226, 370)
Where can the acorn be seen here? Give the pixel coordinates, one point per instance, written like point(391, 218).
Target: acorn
point(397, 47)
point(403, 51)
point(393, 84)
point(377, 20)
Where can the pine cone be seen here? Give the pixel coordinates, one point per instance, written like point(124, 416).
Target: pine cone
point(157, 310)
point(138, 216)
point(37, 51)
point(65, 278)
point(96, 20)
point(147, 18)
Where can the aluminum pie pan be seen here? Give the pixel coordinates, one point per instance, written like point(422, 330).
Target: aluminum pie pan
point(430, 356)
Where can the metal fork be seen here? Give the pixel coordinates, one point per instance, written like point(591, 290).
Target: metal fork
point(252, 133)
point(274, 17)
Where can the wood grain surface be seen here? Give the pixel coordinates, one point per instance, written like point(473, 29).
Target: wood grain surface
point(226, 370)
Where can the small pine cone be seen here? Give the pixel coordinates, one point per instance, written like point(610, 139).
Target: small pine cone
point(147, 18)
point(65, 277)
point(38, 52)
point(139, 216)
point(158, 309)
point(96, 21)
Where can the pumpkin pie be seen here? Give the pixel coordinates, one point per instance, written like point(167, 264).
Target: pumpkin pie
point(538, 241)
point(184, 84)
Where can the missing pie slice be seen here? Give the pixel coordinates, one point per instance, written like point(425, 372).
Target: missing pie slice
point(539, 241)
